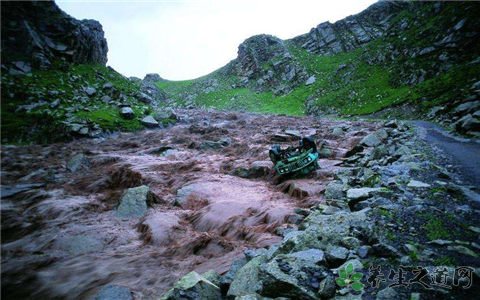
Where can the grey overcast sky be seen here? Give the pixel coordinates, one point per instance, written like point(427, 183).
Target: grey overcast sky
point(186, 39)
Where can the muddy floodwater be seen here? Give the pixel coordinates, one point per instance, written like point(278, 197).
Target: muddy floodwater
point(213, 197)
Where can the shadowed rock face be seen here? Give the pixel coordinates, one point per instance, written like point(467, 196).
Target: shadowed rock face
point(256, 54)
point(39, 33)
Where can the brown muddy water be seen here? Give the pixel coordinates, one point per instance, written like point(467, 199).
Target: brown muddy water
point(62, 239)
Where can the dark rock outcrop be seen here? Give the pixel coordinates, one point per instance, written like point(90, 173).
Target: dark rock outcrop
point(264, 63)
point(38, 33)
point(351, 32)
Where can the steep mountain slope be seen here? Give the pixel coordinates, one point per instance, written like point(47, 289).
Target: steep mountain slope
point(406, 59)
point(55, 84)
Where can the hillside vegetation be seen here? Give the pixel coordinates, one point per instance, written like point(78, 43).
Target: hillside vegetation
point(419, 60)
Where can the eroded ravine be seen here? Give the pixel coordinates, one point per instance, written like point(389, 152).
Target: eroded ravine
point(214, 197)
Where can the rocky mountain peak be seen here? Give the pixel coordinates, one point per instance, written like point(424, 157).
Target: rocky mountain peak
point(38, 34)
point(265, 63)
point(351, 32)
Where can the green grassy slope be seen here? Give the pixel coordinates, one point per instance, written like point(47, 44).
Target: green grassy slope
point(47, 124)
point(363, 81)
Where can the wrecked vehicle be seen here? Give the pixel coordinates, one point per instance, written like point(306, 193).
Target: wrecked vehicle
point(295, 161)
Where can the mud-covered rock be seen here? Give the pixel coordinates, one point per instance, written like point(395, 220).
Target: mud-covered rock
point(133, 202)
point(114, 292)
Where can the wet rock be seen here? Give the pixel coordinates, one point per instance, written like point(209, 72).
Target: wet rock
point(371, 140)
point(127, 113)
point(322, 231)
point(77, 162)
point(114, 292)
point(149, 122)
point(334, 190)
point(291, 277)
point(247, 280)
point(224, 142)
point(361, 193)
point(338, 131)
point(133, 202)
point(418, 184)
point(336, 256)
point(327, 287)
point(193, 286)
point(325, 152)
point(257, 169)
point(301, 188)
point(227, 279)
point(311, 255)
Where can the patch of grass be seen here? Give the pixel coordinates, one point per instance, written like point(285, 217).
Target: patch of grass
point(436, 229)
point(444, 261)
point(65, 84)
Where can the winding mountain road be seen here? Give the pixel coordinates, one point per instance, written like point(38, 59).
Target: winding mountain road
point(465, 153)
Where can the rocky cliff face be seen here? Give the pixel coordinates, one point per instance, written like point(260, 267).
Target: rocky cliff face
point(265, 63)
point(351, 32)
point(407, 59)
point(38, 34)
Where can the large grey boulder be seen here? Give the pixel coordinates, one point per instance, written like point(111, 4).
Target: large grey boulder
point(77, 162)
point(193, 286)
point(291, 277)
point(371, 140)
point(323, 231)
point(149, 122)
point(127, 113)
point(247, 280)
point(361, 193)
point(134, 202)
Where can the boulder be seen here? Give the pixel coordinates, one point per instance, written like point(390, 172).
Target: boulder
point(133, 202)
point(193, 286)
point(371, 140)
point(322, 231)
point(77, 162)
point(311, 80)
point(149, 122)
point(327, 287)
point(361, 193)
point(247, 280)
point(90, 91)
point(415, 184)
point(291, 277)
point(126, 112)
point(334, 190)
point(336, 256)
point(114, 292)
point(315, 256)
